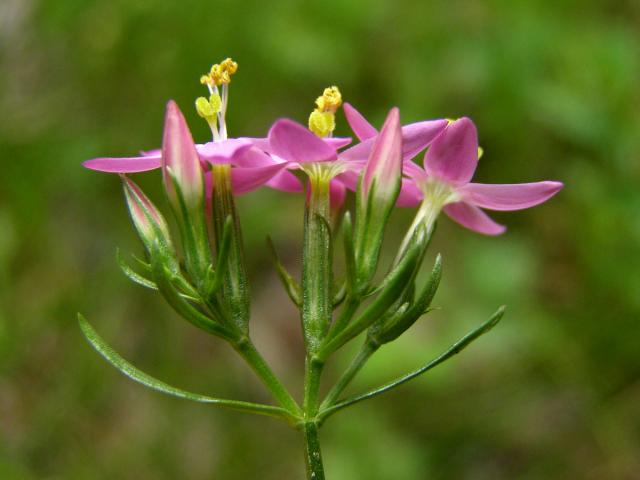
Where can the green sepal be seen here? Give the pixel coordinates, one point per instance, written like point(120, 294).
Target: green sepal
point(291, 286)
point(373, 217)
point(186, 292)
point(195, 239)
point(339, 294)
point(397, 325)
point(126, 368)
point(215, 277)
point(132, 274)
point(349, 252)
point(165, 281)
point(394, 286)
point(235, 287)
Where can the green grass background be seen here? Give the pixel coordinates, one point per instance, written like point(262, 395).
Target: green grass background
point(552, 393)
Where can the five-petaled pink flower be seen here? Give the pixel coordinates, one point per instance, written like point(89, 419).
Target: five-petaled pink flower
point(445, 182)
point(251, 167)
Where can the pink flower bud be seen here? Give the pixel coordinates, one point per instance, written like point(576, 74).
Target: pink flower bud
point(384, 166)
point(149, 222)
point(181, 168)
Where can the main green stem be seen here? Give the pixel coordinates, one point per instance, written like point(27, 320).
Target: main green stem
point(317, 310)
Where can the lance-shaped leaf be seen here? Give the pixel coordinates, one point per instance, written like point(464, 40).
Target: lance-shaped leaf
point(377, 192)
point(395, 284)
point(147, 380)
point(450, 352)
point(291, 286)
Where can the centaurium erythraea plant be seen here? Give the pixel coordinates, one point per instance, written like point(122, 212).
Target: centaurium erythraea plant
point(207, 285)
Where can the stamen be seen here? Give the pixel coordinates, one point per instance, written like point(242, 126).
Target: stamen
point(218, 76)
point(322, 120)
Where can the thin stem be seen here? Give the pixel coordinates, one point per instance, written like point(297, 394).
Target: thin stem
point(450, 352)
point(313, 371)
point(312, 454)
point(247, 349)
point(368, 349)
point(317, 309)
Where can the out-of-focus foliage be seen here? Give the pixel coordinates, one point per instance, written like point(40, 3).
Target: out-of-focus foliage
point(552, 393)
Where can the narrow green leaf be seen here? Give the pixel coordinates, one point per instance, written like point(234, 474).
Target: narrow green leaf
point(450, 352)
point(139, 376)
point(291, 286)
point(132, 275)
point(349, 252)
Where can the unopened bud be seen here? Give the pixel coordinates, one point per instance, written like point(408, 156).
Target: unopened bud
point(149, 222)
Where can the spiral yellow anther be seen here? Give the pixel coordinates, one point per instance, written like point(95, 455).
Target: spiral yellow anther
point(220, 73)
point(330, 100)
point(322, 120)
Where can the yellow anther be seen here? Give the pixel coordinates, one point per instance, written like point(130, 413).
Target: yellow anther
point(330, 100)
point(480, 152)
point(229, 65)
point(322, 123)
point(220, 73)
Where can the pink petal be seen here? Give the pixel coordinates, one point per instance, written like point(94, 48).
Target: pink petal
point(418, 136)
point(245, 180)
point(179, 155)
point(413, 171)
point(337, 194)
point(453, 155)
point(337, 142)
point(294, 143)
point(350, 178)
point(473, 218)
point(360, 126)
point(385, 162)
point(286, 182)
point(124, 164)
point(223, 152)
point(415, 138)
point(410, 194)
point(509, 196)
point(254, 157)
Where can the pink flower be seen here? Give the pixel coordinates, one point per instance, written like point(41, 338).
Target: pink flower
point(251, 168)
point(449, 165)
point(294, 145)
point(415, 138)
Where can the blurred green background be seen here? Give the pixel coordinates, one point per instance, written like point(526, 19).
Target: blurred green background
point(552, 393)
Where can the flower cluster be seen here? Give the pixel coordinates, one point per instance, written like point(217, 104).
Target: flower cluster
point(208, 286)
